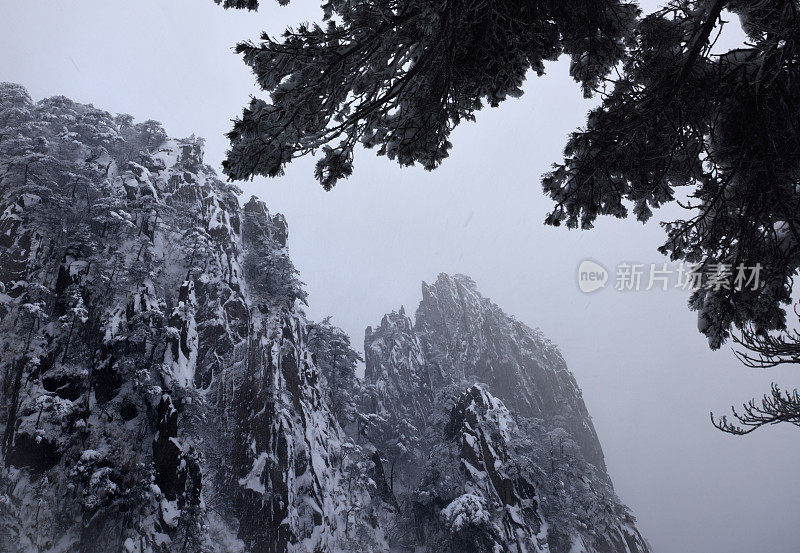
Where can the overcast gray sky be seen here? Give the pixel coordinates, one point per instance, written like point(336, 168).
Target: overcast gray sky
point(648, 377)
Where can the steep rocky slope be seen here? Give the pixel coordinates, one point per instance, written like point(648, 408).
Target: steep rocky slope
point(467, 337)
point(158, 393)
point(480, 420)
point(162, 390)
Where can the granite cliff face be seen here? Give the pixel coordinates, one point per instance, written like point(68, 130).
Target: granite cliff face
point(162, 389)
point(158, 393)
point(464, 337)
point(470, 396)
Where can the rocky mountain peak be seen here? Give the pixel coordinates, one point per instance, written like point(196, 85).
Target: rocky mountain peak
point(158, 391)
point(472, 397)
point(162, 391)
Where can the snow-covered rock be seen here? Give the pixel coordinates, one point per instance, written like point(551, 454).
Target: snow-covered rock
point(160, 389)
point(485, 434)
point(158, 393)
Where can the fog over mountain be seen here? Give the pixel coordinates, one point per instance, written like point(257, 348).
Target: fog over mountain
point(646, 375)
point(163, 388)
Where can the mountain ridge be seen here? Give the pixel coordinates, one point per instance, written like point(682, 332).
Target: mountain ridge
point(462, 353)
point(163, 389)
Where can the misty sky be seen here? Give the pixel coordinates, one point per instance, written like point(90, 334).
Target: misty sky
point(648, 377)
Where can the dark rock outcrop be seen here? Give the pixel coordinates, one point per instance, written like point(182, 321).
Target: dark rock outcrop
point(468, 404)
point(159, 393)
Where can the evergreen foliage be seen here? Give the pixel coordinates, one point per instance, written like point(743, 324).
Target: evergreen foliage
point(716, 133)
